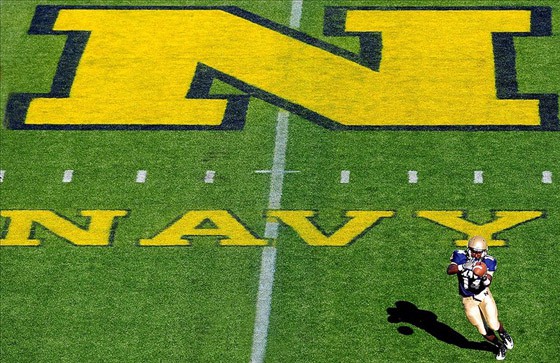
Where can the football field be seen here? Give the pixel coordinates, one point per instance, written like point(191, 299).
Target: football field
point(275, 180)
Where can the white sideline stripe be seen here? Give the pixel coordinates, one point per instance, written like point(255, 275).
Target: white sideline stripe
point(209, 177)
point(141, 176)
point(345, 177)
point(68, 175)
point(2, 174)
point(412, 176)
point(547, 177)
point(478, 177)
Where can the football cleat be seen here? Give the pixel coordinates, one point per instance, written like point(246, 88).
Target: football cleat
point(501, 355)
point(508, 342)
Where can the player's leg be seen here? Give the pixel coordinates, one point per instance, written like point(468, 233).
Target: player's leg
point(490, 312)
point(474, 314)
point(472, 311)
point(508, 341)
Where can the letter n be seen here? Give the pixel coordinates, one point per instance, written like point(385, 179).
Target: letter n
point(20, 229)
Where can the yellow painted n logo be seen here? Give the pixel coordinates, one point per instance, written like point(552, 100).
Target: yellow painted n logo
point(154, 67)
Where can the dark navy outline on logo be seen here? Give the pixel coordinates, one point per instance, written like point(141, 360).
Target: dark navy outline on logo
point(236, 110)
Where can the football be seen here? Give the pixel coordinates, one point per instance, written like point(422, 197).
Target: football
point(480, 269)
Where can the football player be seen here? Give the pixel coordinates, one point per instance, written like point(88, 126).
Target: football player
point(478, 302)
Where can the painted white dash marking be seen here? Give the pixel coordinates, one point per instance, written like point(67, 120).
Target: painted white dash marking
point(547, 177)
point(478, 177)
point(68, 176)
point(141, 176)
point(412, 176)
point(2, 174)
point(209, 177)
point(345, 177)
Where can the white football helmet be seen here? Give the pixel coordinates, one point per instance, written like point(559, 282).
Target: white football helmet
point(477, 245)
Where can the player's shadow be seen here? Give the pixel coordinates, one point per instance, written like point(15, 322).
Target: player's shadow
point(407, 312)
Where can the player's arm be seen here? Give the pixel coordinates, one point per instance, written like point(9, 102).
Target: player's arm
point(459, 263)
point(487, 279)
point(453, 268)
point(491, 265)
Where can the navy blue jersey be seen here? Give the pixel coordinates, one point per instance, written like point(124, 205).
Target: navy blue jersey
point(470, 286)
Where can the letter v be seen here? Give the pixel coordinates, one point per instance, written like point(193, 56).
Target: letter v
point(300, 221)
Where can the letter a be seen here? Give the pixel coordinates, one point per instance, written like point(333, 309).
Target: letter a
point(225, 225)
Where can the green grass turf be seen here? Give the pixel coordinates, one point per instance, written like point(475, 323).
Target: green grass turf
point(197, 304)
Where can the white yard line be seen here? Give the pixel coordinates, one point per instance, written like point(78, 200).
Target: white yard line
point(268, 257)
point(264, 299)
point(295, 16)
point(279, 160)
